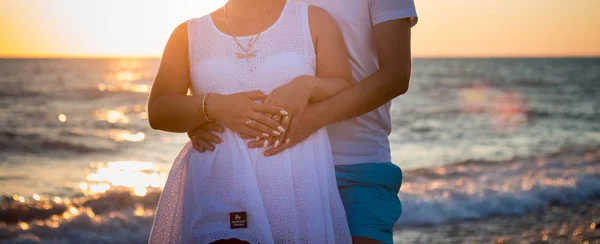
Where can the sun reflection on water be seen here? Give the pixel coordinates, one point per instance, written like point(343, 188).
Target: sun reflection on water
point(62, 118)
point(140, 191)
point(128, 78)
point(111, 116)
point(24, 226)
point(126, 136)
point(124, 87)
point(133, 175)
point(125, 76)
point(121, 114)
point(121, 135)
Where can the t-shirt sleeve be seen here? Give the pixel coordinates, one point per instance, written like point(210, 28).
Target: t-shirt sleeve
point(386, 10)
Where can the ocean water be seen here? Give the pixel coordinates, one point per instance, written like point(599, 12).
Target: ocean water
point(482, 142)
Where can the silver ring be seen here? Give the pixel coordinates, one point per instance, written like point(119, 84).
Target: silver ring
point(248, 122)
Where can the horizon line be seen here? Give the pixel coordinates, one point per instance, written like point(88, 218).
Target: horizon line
point(417, 56)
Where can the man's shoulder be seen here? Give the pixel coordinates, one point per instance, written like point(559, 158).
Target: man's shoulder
point(338, 4)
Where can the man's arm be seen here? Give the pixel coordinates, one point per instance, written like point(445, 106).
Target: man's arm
point(392, 40)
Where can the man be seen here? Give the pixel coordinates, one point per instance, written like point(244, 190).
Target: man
point(377, 35)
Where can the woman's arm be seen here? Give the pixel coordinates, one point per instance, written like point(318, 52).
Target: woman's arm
point(333, 72)
point(333, 67)
point(171, 109)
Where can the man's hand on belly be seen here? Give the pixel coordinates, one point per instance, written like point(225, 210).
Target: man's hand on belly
point(203, 137)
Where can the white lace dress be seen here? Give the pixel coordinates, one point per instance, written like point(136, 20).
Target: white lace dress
point(288, 198)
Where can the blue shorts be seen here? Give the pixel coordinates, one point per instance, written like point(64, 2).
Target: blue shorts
point(369, 192)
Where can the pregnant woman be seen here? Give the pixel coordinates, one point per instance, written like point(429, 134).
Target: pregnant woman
point(229, 60)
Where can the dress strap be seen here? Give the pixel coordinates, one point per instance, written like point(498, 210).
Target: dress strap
point(309, 48)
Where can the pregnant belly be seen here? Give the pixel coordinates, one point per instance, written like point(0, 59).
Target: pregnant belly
point(234, 178)
point(234, 150)
point(232, 171)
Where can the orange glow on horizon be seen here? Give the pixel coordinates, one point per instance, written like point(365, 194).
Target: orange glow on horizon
point(140, 28)
point(507, 28)
point(108, 28)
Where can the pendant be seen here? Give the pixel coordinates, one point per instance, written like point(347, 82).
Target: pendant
point(247, 55)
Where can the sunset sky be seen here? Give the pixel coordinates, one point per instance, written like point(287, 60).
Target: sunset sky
point(447, 28)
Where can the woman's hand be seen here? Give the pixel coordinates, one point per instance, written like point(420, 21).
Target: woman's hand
point(293, 97)
point(310, 122)
point(239, 112)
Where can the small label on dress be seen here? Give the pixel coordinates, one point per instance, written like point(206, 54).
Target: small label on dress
point(238, 220)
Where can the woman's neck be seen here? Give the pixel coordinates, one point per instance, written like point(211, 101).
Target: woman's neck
point(249, 8)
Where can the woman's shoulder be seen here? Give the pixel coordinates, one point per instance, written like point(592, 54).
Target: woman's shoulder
point(204, 18)
point(197, 20)
point(180, 32)
point(320, 20)
point(197, 24)
point(182, 28)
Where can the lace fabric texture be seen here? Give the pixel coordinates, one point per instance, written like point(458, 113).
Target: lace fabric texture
point(291, 197)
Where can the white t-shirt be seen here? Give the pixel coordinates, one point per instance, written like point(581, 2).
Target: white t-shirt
point(363, 139)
